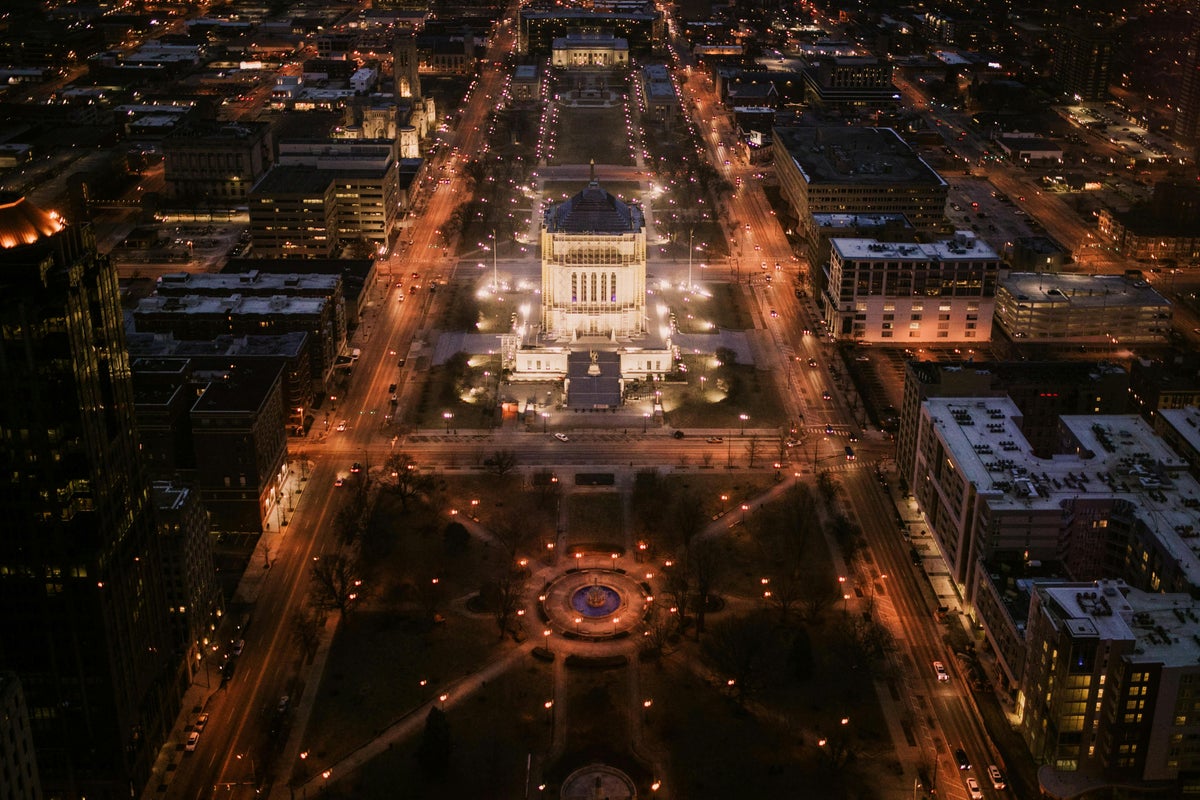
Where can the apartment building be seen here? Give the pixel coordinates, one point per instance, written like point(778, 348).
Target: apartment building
point(895, 293)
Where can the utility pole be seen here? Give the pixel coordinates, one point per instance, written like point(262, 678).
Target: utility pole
point(689, 283)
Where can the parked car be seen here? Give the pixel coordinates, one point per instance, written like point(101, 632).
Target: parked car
point(562, 437)
point(238, 646)
point(997, 777)
point(201, 721)
point(973, 790)
point(960, 756)
point(192, 740)
point(939, 669)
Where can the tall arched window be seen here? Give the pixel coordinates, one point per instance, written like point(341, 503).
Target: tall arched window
point(595, 296)
point(603, 287)
point(612, 287)
point(574, 287)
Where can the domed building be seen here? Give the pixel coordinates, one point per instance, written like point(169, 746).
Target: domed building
point(594, 330)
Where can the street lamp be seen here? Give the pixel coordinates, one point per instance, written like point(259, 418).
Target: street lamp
point(545, 420)
point(743, 418)
point(447, 416)
point(645, 421)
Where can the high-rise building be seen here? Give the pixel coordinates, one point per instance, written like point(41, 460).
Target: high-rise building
point(84, 612)
point(1186, 127)
point(1083, 58)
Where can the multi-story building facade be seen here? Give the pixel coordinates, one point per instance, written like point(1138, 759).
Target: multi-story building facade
point(366, 183)
point(835, 170)
point(589, 51)
point(1163, 229)
point(157, 376)
point(861, 82)
point(1186, 125)
point(1114, 501)
point(1061, 308)
point(85, 622)
point(194, 317)
point(593, 267)
point(194, 600)
point(1110, 686)
point(18, 760)
point(911, 293)
point(293, 214)
point(1042, 390)
point(241, 447)
point(216, 163)
point(1083, 58)
point(325, 286)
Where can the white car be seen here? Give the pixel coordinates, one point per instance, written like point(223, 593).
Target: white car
point(341, 426)
point(973, 789)
point(997, 777)
point(192, 740)
point(562, 437)
point(939, 669)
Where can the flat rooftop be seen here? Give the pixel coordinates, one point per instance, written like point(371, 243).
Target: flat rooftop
point(1117, 456)
point(961, 248)
point(1081, 291)
point(826, 154)
point(1186, 422)
point(252, 281)
point(1164, 628)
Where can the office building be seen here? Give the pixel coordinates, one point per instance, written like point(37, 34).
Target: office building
point(293, 214)
point(366, 183)
point(85, 622)
point(1114, 501)
point(195, 317)
point(850, 82)
point(1043, 391)
point(194, 602)
point(240, 442)
point(216, 163)
point(838, 170)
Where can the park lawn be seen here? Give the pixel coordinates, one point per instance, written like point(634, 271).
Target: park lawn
point(753, 394)
point(491, 734)
point(595, 518)
point(707, 487)
point(577, 142)
point(724, 310)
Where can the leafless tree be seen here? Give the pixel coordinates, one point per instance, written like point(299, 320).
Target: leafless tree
point(661, 629)
point(514, 528)
point(404, 479)
point(752, 450)
point(815, 597)
point(509, 587)
point(336, 583)
point(687, 518)
point(503, 462)
point(306, 631)
point(706, 563)
point(739, 649)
